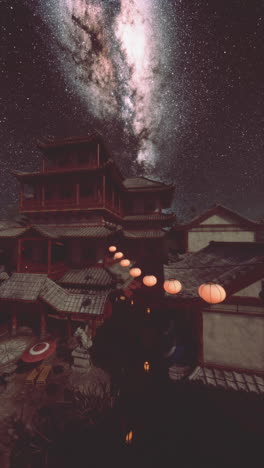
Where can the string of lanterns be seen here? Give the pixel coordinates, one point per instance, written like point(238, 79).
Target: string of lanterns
point(210, 292)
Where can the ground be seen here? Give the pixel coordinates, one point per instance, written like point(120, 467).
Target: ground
point(17, 397)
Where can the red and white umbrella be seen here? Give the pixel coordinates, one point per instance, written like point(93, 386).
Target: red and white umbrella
point(39, 351)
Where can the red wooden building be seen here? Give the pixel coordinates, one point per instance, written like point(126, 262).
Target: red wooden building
point(75, 207)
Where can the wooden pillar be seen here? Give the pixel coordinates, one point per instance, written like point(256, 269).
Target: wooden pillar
point(42, 195)
point(19, 255)
point(69, 327)
point(103, 190)
point(13, 324)
point(43, 325)
point(98, 155)
point(43, 165)
point(49, 256)
point(21, 195)
point(78, 194)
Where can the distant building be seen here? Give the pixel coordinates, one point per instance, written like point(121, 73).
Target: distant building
point(73, 209)
point(216, 224)
point(227, 336)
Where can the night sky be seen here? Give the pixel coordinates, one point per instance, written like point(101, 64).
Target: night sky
point(176, 87)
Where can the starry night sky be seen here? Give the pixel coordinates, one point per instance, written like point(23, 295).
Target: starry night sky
point(176, 87)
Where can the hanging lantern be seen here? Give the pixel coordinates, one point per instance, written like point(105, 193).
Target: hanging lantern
point(212, 293)
point(132, 302)
point(112, 248)
point(129, 437)
point(122, 298)
point(125, 262)
point(148, 310)
point(135, 272)
point(146, 366)
point(150, 280)
point(118, 255)
point(172, 286)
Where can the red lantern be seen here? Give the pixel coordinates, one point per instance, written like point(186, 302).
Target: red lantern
point(125, 262)
point(112, 248)
point(135, 272)
point(172, 286)
point(118, 255)
point(212, 293)
point(150, 280)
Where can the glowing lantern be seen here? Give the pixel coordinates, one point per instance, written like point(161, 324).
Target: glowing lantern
point(146, 366)
point(125, 262)
point(132, 302)
point(135, 272)
point(129, 437)
point(122, 298)
point(212, 293)
point(150, 280)
point(112, 248)
point(118, 255)
point(148, 310)
point(172, 286)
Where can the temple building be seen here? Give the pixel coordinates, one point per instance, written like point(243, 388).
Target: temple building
point(72, 210)
point(226, 338)
point(218, 223)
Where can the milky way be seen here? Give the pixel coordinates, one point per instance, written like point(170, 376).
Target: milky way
point(115, 57)
point(175, 87)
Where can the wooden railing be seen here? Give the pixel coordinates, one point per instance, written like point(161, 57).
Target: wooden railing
point(32, 204)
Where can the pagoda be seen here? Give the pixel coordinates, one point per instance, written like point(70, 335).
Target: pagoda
point(73, 208)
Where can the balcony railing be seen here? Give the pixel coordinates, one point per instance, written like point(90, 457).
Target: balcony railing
point(32, 204)
point(71, 167)
point(84, 202)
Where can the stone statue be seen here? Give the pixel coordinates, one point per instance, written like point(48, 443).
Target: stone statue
point(84, 337)
point(81, 356)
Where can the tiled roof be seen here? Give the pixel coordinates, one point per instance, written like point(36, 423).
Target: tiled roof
point(85, 291)
point(3, 275)
point(150, 217)
point(147, 234)
point(134, 183)
point(32, 286)
point(232, 264)
point(12, 231)
point(59, 142)
point(22, 286)
point(56, 231)
point(63, 301)
point(120, 274)
point(229, 379)
point(218, 210)
point(88, 277)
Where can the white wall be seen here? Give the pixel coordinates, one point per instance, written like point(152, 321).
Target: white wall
point(216, 219)
point(197, 240)
point(234, 340)
point(252, 290)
